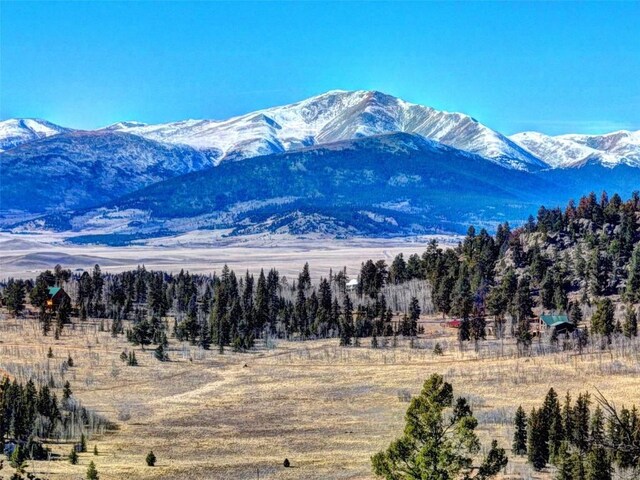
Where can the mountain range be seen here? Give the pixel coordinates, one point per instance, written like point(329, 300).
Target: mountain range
point(342, 163)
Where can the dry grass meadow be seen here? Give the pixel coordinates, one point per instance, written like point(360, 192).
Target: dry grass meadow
point(325, 408)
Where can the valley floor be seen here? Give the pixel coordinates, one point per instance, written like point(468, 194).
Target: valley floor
point(325, 408)
point(26, 255)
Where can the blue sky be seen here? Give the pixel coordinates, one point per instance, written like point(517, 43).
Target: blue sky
point(554, 67)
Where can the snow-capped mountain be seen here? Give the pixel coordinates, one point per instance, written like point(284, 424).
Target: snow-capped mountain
point(16, 131)
point(358, 162)
point(334, 116)
point(572, 150)
point(383, 185)
point(79, 169)
point(343, 115)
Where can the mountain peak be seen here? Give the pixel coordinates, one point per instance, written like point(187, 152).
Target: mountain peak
point(17, 131)
point(334, 116)
point(571, 150)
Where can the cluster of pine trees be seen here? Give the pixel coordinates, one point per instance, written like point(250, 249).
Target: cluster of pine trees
point(223, 310)
point(589, 252)
point(581, 444)
point(30, 414)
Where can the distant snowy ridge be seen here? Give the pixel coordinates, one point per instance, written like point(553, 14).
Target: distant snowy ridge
point(16, 131)
point(347, 115)
point(334, 116)
point(573, 150)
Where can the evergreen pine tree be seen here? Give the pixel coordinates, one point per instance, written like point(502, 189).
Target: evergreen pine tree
point(14, 296)
point(73, 456)
point(346, 325)
point(519, 446)
point(630, 326)
point(597, 436)
point(433, 446)
point(598, 465)
point(581, 422)
point(552, 419)
point(92, 472)
point(464, 332)
point(602, 322)
point(160, 352)
point(414, 316)
point(66, 391)
point(151, 459)
point(17, 459)
point(564, 463)
point(632, 288)
point(205, 336)
point(537, 448)
point(577, 462)
point(567, 418)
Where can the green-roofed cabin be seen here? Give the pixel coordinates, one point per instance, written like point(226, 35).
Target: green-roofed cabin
point(559, 323)
point(55, 297)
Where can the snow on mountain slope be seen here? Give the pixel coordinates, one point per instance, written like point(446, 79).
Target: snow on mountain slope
point(622, 147)
point(16, 131)
point(79, 169)
point(556, 151)
point(566, 151)
point(334, 116)
point(382, 185)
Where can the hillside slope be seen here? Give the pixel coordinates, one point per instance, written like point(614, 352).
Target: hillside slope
point(81, 169)
point(389, 185)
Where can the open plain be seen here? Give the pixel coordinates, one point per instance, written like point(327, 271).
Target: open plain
point(326, 408)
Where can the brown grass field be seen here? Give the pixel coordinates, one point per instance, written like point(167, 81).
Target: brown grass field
point(325, 408)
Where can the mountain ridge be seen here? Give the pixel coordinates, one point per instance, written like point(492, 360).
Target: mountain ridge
point(333, 116)
point(83, 180)
point(342, 115)
point(380, 186)
point(574, 150)
point(83, 168)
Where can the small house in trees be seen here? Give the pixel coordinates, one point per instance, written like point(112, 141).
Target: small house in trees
point(352, 285)
point(557, 323)
point(55, 296)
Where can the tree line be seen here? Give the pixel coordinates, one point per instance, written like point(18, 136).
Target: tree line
point(580, 442)
point(562, 261)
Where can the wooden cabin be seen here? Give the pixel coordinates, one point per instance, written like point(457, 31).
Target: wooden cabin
point(558, 323)
point(55, 296)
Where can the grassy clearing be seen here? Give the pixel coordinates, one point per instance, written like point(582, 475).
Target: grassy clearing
point(325, 408)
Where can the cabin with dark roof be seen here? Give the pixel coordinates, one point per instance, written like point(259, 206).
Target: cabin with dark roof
point(55, 296)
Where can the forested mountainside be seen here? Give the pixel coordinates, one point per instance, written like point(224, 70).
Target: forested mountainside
point(78, 169)
point(374, 165)
point(383, 186)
